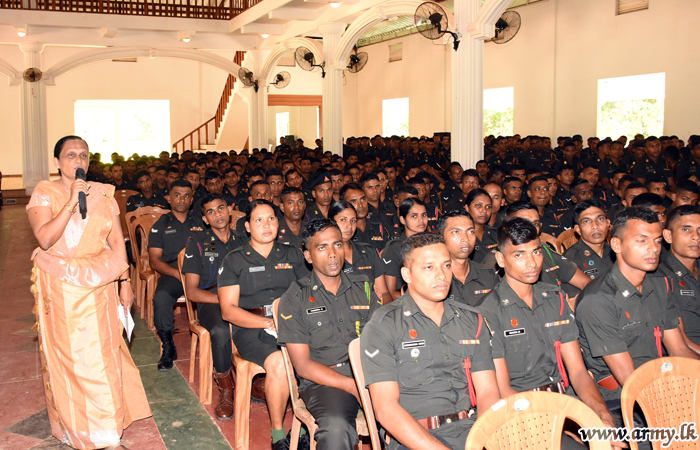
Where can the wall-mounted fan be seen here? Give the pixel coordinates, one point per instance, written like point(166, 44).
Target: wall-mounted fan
point(281, 80)
point(431, 21)
point(246, 77)
point(507, 27)
point(357, 62)
point(307, 61)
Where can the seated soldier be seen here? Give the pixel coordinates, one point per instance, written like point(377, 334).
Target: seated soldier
point(591, 253)
point(378, 211)
point(422, 399)
point(687, 193)
point(657, 186)
point(432, 209)
point(452, 188)
point(557, 269)
point(470, 282)
point(147, 197)
point(565, 177)
point(203, 259)
point(214, 185)
point(478, 204)
point(414, 218)
point(519, 310)
point(274, 178)
point(322, 191)
point(627, 316)
point(590, 172)
point(167, 238)
point(259, 190)
point(369, 231)
point(512, 190)
point(250, 279)
point(681, 264)
point(292, 221)
point(538, 192)
point(653, 202)
point(317, 340)
point(199, 191)
point(497, 201)
point(580, 190)
point(470, 181)
point(402, 193)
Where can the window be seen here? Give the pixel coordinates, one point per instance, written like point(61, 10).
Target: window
point(124, 126)
point(628, 6)
point(631, 105)
point(498, 111)
point(395, 117)
point(282, 125)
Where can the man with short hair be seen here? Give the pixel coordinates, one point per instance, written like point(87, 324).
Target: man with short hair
point(322, 191)
point(422, 398)
point(453, 185)
point(692, 165)
point(470, 181)
point(654, 165)
point(318, 317)
point(687, 193)
point(167, 238)
point(581, 190)
point(590, 172)
point(627, 316)
point(565, 178)
point(538, 191)
point(470, 282)
point(612, 163)
point(118, 178)
point(204, 254)
point(592, 254)
point(533, 332)
point(147, 197)
point(377, 210)
point(275, 179)
point(512, 190)
point(497, 201)
point(368, 230)
point(654, 203)
point(292, 222)
point(337, 182)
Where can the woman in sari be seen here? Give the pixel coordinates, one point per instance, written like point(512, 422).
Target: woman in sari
point(93, 389)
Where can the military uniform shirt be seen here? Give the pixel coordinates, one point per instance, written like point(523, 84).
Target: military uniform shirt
point(550, 223)
point(508, 160)
point(479, 282)
point(456, 203)
point(391, 257)
point(557, 267)
point(384, 214)
point(484, 246)
point(261, 280)
point(450, 190)
point(433, 212)
point(171, 235)
point(313, 212)
point(327, 323)
point(647, 169)
point(525, 337)
point(403, 345)
point(588, 260)
point(608, 167)
point(286, 236)
point(375, 234)
point(205, 254)
point(613, 317)
point(365, 260)
point(139, 201)
point(692, 167)
point(685, 294)
point(534, 161)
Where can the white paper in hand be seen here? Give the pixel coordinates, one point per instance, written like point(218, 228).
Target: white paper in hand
point(270, 332)
point(127, 321)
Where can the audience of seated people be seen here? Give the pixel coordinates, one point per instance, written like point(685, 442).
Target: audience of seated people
point(446, 249)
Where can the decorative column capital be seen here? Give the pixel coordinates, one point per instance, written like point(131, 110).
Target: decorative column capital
point(31, 47)
point(332, 28)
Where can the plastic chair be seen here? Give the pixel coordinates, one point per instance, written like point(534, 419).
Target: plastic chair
point(551, 240)
point(566, 239)
point(139, 287)
point(122, 196)
point(666, 390)
point(301, 414)
point(531, 420)
point(245, 372)
point(356, 362)
point(235, 217)
point(142, 227)
point(199, 333)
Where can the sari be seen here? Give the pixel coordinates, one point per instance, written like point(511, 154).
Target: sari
point(92, 386)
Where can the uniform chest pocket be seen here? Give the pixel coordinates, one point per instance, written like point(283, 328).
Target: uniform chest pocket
point(319, 322)
point(632, 331)
point(518, 350)
point(415, 364)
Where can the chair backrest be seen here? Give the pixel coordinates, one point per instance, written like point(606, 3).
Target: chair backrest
point(142, 227)
point(356, 363)
point(566, 239)
point(122, 196)
point(531, 420)
point(666, 390)
point(132, 216)
point(235, 217)
point(297, 402)
point(551, 240)
point(191, 312)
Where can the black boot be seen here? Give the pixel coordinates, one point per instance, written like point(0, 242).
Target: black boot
point(169, 351)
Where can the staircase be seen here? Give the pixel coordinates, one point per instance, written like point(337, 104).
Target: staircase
point(205, 135)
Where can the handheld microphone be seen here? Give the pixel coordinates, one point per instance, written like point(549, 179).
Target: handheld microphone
point(82, 201)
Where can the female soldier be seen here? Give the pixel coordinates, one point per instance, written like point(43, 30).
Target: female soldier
point(359, 257)
point(414, 218)
point(478, 204)
point(250, 279)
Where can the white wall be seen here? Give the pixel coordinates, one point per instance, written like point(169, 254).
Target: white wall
point(553, 63)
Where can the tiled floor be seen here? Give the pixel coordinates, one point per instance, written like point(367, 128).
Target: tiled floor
point(179, 421)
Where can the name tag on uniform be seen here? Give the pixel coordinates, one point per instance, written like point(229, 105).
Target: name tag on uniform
point(211, 254)
point(320, 309)
point(170, 231)
point(412, 344)
point(256, 269)
point(630, 325)
point(514, 332)
point(591, 272)
point(687, 292)
point(348, 270)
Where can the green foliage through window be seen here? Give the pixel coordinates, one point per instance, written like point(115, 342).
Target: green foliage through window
point(629, 117)
point(498, 122)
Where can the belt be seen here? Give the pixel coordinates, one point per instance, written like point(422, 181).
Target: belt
point(333, 366)
point(430, 423)
point(552, 387)
point(263, 312)
point(609, 383)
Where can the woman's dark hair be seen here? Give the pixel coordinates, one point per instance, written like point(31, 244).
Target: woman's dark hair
point(61, 142)
point(338, 207)
point(254, 204)
point(407, 204)
point(473, 194)
point(516, 231)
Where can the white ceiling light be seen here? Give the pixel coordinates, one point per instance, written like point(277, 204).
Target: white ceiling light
point(265, 35)
point(335, 4)
point(185, 36)
point(21, 31)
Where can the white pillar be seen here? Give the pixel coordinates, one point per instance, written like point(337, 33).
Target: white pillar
point(467, 88)
point(332, 89)
point(35, 160)
point(257, 103)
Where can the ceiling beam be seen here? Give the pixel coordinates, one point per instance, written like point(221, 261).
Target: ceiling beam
point(293, 14)
point(260, 28)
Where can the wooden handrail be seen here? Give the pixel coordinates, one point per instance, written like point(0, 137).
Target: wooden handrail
point(181, 145)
